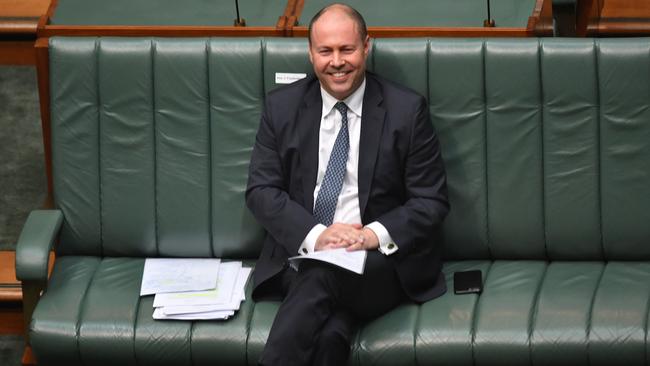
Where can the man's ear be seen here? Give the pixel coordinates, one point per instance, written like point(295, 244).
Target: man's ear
point(366, 45)
point(311, 58)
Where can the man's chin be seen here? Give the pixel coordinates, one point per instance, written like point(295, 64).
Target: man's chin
point(340, 90)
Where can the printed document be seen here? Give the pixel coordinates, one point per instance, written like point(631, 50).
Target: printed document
point(237, 297)
point(179, 274)
point(221, 294)
point(204, 312)
point(353, 261)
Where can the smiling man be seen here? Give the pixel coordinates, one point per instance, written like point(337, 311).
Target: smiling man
point(343, 159)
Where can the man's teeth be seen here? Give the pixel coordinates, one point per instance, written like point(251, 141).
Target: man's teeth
point(339, 74)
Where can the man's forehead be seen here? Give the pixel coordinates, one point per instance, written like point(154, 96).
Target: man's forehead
point(335, 15)
point(335, 25)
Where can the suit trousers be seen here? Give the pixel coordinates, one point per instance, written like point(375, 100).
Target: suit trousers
point(322, 307)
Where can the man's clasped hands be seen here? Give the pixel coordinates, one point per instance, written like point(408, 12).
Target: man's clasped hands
point(350, 236)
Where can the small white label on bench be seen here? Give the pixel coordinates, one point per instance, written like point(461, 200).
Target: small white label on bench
point(288, 77)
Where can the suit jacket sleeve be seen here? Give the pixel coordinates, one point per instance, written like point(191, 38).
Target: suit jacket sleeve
point(267, 195)
point(412, 224)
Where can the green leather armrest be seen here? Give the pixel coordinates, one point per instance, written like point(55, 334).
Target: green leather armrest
point(35, 243)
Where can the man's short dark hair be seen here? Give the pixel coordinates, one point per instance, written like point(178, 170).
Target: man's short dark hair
point(350, 11)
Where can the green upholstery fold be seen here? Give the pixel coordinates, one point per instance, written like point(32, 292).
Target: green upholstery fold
point(504, 318)
point(54, 330)
point(74, 115)
point(624, 148)
point(224, 341)
point(403, 61)
point(514, 149)
point(35, 243)
point(109, 311)
point(235, 78)
point(619, 332)
point(161, 343)
point(445, 330)
point(560, 334)
point(570, 110)
point(458, 111)
point(126, 123)
point(389, 339)
point(182, 147)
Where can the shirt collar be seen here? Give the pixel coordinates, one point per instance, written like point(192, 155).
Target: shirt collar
point(354, 101)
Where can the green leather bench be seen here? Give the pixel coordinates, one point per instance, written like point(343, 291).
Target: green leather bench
point(547, 149)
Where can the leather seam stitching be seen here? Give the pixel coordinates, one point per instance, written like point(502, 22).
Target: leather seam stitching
point(99, 147)
point(81, 310)
point(485, 151)
point(591, 310)
point(542, 147)
point(208, 49)
point(476, 311)
point(599, 148)
point(155, 145)
point(532, 322)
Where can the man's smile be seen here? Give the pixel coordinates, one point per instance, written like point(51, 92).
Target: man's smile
point(339, 75)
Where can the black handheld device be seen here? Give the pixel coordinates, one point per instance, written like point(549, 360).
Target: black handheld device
point(468, 282)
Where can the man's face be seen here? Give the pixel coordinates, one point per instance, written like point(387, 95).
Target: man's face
point(338, 53)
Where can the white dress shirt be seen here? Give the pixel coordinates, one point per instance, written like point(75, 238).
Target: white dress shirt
point(347, 206)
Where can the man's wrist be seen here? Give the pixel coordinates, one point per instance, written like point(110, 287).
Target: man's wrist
point(309, 244)
point(386, 244)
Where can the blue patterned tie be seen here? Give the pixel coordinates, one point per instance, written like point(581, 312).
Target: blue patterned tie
point(333, 180)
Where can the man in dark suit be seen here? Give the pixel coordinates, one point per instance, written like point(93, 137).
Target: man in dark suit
point(343, 159)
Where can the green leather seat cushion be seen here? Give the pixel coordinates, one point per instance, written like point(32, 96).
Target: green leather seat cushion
point(530, 310)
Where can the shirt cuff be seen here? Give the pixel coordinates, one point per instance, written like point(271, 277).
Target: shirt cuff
point(309, 243)
point(386, 244)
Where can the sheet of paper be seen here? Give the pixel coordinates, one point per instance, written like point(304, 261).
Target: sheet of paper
point(237, 298)
point(178, 274)
point(211, 315)
point(353, 261)
point(219, 294)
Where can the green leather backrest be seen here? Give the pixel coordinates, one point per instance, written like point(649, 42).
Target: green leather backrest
point(545, 142)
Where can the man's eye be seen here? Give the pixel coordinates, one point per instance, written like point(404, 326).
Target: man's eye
point(324, 52)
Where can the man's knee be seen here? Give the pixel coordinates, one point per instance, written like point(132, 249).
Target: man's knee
point(319, 273)
point(337, 331)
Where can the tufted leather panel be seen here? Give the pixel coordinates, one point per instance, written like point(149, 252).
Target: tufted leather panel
point(624, 134)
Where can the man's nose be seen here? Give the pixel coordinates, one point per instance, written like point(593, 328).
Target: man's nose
point(337, 60)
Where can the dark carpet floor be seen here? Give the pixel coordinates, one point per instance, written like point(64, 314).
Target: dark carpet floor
point(22, 172)
point(11, 350)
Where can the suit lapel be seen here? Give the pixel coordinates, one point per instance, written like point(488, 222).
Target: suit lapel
point(372, 123)
point(308, 126)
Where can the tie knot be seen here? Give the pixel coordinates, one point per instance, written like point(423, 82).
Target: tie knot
point(342, 108)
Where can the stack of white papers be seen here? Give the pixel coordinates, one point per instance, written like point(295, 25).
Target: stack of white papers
point(192, 289)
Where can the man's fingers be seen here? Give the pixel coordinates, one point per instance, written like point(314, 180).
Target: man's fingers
point(354, 247)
